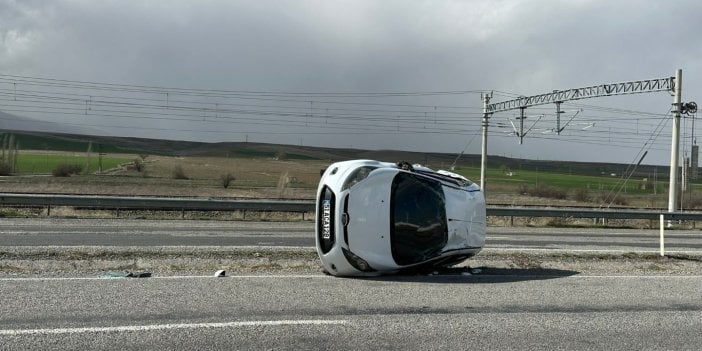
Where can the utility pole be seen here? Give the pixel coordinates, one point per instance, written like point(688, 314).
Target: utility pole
point(558, 117)
point(483, 159)
point(521, 125)
point(675, 144)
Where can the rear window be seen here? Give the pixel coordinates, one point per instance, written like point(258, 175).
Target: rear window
point(418, 228)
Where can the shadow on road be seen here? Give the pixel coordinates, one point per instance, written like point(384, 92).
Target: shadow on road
point(479, 275)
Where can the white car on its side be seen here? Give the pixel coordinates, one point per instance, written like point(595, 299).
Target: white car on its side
point(376, 217)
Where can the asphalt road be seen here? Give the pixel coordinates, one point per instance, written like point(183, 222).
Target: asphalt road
point(123, 232)
point(502, 309)
point(558, 311)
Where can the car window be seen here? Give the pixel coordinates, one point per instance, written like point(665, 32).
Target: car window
point(418, 228)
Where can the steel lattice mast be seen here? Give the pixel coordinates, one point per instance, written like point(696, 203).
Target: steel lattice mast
point(559, 96)
point(670, 84)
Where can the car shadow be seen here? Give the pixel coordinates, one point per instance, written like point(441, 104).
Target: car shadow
point(476, 275)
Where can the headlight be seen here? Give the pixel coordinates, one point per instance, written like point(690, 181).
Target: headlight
point(357, 262)
point(358, 175)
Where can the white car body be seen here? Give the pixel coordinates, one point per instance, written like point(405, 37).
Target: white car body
point(376, 218)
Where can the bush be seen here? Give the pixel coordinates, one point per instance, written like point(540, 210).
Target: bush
point(5, 169)
point(281, 156)
point(581, 195)
point(66, 170)
point(227, 179)
point(542, 191)
point(614, 199)
point(692, 201)
point(139, 165)
point(179, 173)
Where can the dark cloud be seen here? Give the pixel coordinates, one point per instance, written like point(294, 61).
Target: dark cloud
point(518, 47)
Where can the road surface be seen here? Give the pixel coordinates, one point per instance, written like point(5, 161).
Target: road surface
point(125, 232)
point(558, 311)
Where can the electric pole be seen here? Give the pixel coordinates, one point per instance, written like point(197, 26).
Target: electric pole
point(675, 144)
point(483, 159)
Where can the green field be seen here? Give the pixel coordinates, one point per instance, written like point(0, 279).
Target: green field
point(286, 171)
point(46, 163)
point(602, 190)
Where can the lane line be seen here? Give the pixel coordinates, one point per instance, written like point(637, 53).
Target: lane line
point(168, 277)
point(152, 327)
point(679, 276)
point(567, 250)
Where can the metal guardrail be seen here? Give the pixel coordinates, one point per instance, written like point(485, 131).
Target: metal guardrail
point(154, 203)
point(591, 213)
point(301, 206)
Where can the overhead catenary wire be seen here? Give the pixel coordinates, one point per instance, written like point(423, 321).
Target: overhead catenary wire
point(80, 103)
point(621, 184)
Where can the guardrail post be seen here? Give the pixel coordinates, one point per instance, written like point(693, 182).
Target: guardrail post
point(662, 220)
point(48, 210)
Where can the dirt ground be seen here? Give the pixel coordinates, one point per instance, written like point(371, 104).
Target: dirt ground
point(170, 261)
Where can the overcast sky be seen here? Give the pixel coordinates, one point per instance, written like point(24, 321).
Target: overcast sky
point(404, 74)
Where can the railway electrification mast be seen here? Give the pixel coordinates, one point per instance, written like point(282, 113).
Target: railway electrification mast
point(670, 84)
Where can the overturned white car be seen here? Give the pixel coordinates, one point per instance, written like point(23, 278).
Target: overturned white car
point(376, 218)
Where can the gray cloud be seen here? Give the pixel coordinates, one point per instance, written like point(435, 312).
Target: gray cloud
point(519, 47)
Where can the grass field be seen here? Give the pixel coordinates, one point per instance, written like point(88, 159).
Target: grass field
point(567, 182)
point(263, 176)
point(45, 163)
point(578, 190)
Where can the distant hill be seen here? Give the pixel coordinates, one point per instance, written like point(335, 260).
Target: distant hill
point(12, 122)
point(80, 143)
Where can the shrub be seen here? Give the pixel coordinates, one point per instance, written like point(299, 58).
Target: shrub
point(542, 191)
point(5, 169)
point(581, 195)
point(523, 190)
point(139, 165)
point(281, 156)
point(66, 170)
point(179, 173)
point(692, 201)
point(551, 193)
point(227, 179)
point(614, 199)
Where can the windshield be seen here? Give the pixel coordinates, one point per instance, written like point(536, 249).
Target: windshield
point(418, 228)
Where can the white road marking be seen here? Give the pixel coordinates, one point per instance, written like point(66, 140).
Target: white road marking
point(568, 250)
point(152, 327)
point(682, 276)
point(170, 277)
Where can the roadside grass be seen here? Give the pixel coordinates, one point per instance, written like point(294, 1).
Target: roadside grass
point(45, 163)
point(579, 189)
point(252, 177)
point(259, 174)
point(568, 182)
